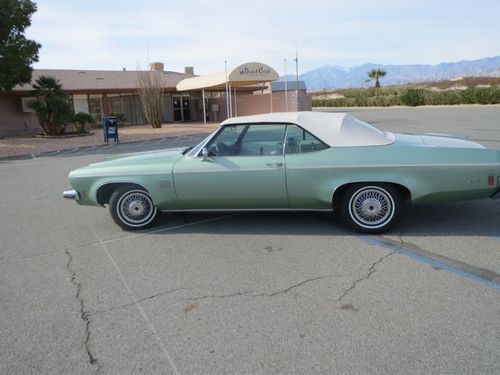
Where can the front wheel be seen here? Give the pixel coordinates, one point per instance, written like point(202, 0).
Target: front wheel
point(371, 208)
point(132, 208)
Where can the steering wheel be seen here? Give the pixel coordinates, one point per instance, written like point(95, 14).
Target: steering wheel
point(223, 149)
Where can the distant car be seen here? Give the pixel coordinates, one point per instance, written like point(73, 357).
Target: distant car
point(300, 161)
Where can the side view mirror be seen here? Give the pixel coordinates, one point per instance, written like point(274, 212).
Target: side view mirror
point(204, 153)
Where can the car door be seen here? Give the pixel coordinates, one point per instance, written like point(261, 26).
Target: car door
point(309, 185)
point(244, 170)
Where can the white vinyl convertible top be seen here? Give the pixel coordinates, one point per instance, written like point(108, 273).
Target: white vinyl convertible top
point(335, 129)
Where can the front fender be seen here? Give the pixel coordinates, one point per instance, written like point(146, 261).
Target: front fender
point(159, 187)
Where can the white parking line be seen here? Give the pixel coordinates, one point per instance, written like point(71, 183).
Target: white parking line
point(87, 244)
point(159, 230)
point(135, 300)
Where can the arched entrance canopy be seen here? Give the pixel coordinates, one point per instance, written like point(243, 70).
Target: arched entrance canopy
point(246, 74)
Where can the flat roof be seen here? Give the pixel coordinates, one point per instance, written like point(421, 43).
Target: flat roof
point(92, 80)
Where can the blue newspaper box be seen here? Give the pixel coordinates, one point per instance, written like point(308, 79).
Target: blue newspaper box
point(110, 128)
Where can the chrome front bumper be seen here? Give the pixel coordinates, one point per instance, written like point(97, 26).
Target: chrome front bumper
point(71, 194)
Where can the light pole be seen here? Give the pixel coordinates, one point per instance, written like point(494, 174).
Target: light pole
point(297, 77)
point(227, 94)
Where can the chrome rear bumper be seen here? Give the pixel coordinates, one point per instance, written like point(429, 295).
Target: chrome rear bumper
point(71, 194)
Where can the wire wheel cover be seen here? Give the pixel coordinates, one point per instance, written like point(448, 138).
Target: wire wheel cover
point(371, 206)
point(135, 207)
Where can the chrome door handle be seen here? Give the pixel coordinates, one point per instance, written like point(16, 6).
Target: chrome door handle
point(276, 165)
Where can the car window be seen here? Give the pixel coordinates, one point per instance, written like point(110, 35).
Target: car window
point(224, 143)
point(300, 141)
point(248, 140)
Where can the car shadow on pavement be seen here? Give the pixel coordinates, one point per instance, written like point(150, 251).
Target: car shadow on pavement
point(471, 218)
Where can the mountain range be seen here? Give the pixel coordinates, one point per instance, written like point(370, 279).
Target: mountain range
point(334, 76)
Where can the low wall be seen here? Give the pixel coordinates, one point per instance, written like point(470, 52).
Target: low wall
point(254, 104)
point(13, 121)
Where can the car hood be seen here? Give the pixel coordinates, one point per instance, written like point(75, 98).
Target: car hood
point(136, 162)
point(435, 140)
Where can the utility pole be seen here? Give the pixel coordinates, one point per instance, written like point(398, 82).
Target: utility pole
point(227, 94)
point(286, 90)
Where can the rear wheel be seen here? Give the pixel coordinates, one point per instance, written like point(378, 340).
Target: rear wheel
point(132, 208)
point(371, 208)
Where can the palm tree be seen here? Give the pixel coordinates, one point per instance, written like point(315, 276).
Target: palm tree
point(376, 74)
point(51, 105)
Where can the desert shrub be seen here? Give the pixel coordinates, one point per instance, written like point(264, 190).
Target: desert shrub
point(121, 118)
point(361, 100)
point(81, 119)
point(412, 97)
point(482, 95)
point(469, 95)
point(442, 97)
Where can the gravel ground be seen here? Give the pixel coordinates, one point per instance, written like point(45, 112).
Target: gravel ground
point(30, 145)
point(384, 118)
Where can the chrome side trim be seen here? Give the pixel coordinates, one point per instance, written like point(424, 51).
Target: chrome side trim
point(270, 168)
point(71, 194)
point(121, 174)
point(180, 172)
point(339, 166)
point(215, 210)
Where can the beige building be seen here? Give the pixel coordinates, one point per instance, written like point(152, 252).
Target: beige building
point(250, 88)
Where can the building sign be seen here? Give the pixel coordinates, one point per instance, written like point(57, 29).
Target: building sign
point(253, 72)
point(260, 70)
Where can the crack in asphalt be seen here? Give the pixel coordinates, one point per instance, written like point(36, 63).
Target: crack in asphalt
point(247, 293)
point(214, 296)
point(83, 313)
point(297, 285)
point(138, 301)
point(250, 294)
point(371, 271)
point(394, 249)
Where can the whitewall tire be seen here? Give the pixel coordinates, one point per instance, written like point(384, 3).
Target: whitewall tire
point(371, 208)
point(132, 208)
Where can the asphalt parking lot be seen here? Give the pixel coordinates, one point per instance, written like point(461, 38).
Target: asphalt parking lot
point(247, 293)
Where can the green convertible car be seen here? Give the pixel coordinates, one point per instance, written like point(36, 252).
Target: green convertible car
point(292, 161)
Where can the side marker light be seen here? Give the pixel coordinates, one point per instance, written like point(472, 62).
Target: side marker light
point(491, 180)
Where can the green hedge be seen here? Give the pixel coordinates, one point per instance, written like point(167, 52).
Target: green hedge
point(411, 97)
point(358, 101)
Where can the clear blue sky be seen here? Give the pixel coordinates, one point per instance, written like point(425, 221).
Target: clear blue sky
point(111, 34)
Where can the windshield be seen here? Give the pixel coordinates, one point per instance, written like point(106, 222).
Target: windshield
point(196, 149)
